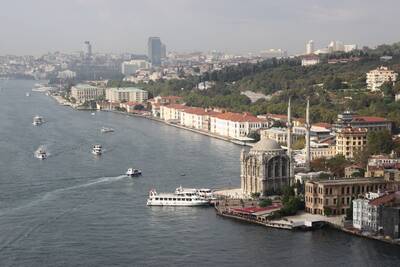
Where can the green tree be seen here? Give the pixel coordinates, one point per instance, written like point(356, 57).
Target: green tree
point(300, 143)
point(265, 203)
point(379, 142)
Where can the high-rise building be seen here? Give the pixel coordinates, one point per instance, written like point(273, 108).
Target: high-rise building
point(87, 51)
point(310, 47)
point(154, 51)
point(163, 51)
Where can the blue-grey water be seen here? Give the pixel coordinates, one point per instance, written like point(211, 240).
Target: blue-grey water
point(74, 209)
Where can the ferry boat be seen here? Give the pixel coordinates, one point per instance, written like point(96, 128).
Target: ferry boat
point(41, 153)
point(97, 150)
point(202, 192)
point(37, 120)
point(133, 172)
point(173, 199)
point(107, 130)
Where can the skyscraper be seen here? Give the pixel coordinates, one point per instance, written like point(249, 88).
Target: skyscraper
point(87, 51)
point(154, 51)
point(163, 51)
point(310, 47)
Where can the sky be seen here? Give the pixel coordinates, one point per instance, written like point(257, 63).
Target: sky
point(35, 27)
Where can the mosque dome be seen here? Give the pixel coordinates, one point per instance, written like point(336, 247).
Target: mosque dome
point(266, 144)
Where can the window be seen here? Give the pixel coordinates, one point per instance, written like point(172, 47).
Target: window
point(334, 201)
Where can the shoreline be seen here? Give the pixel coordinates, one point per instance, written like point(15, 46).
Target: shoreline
point(61, 101)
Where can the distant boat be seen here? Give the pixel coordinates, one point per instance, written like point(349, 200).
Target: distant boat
point(97, 150)
point(37, 120)
point(107, 130)
point(41, 153)
point(93, 114)
point(28, 94)
point(133, 172)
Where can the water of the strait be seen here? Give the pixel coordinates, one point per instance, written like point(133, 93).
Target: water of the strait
point(74, 209)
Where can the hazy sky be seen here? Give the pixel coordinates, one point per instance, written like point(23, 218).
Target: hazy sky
point(236, 26)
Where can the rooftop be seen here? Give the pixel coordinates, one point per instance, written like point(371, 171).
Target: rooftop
point(348, 181)
point(125, 89)
point(238, 117)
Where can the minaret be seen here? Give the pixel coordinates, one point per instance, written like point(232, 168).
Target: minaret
point(308, 128)
point(289, 139)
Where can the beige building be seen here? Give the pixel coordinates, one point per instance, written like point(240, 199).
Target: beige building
point(377, 77)
point(350, 140)
point(334, 197)
point(85, 92)
point(265, 169)
point(197, 118)
point(279, 135)
point(128, 94)
point(236, 125)
point(172, 112)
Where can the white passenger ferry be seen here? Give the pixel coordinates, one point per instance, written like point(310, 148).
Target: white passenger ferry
point(202, 192)
point(107, 130)
point(171, 199)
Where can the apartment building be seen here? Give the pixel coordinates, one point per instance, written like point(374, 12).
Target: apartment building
point(378, 76)
point(236, 125)
point(172, 112)
point(197, 118)
point(349, 141)
point(128, 94)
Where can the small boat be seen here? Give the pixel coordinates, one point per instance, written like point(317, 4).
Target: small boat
point(107, 130)
point(37, 120)
point(93, 114)
point(97, 150)
point(133, 172)
point(41, 153)
point(174, 199)
point(28, 94)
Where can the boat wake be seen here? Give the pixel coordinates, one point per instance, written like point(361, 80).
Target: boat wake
point(53, 194)
point(16, 237)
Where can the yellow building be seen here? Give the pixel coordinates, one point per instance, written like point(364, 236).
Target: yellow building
point(334, 197)
point(350, 140)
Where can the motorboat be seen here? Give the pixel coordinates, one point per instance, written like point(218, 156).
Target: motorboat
point(37, 120)
point(174, 199)
point(133, 172)
point(107, 130)
point(28, 94)
point(41, 153)
point(97, 150)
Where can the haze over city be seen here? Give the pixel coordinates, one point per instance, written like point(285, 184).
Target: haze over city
point(36, 27)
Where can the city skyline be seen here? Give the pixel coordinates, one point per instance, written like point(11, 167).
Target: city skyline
point(231, 26)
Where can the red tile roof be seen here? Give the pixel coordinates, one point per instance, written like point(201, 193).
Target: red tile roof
point(238, 117)
point(385, 199)
point(368, 119)
point(200, 111)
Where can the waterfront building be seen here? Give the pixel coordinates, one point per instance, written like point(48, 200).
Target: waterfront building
point(236, 125)
point(365, 213)
point(154, 50)
point(172, 112)
point(350, 141)
point(334, 196)
point(126, 94)
point(85, 92)
point(130, 67)
point(197, 118)
point(309, 60)
point(265, 169)
point(349, 119)
point(378, 76)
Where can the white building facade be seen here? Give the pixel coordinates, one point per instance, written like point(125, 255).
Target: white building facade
point(128, 94)
point(377, 77)
point(86, 92)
